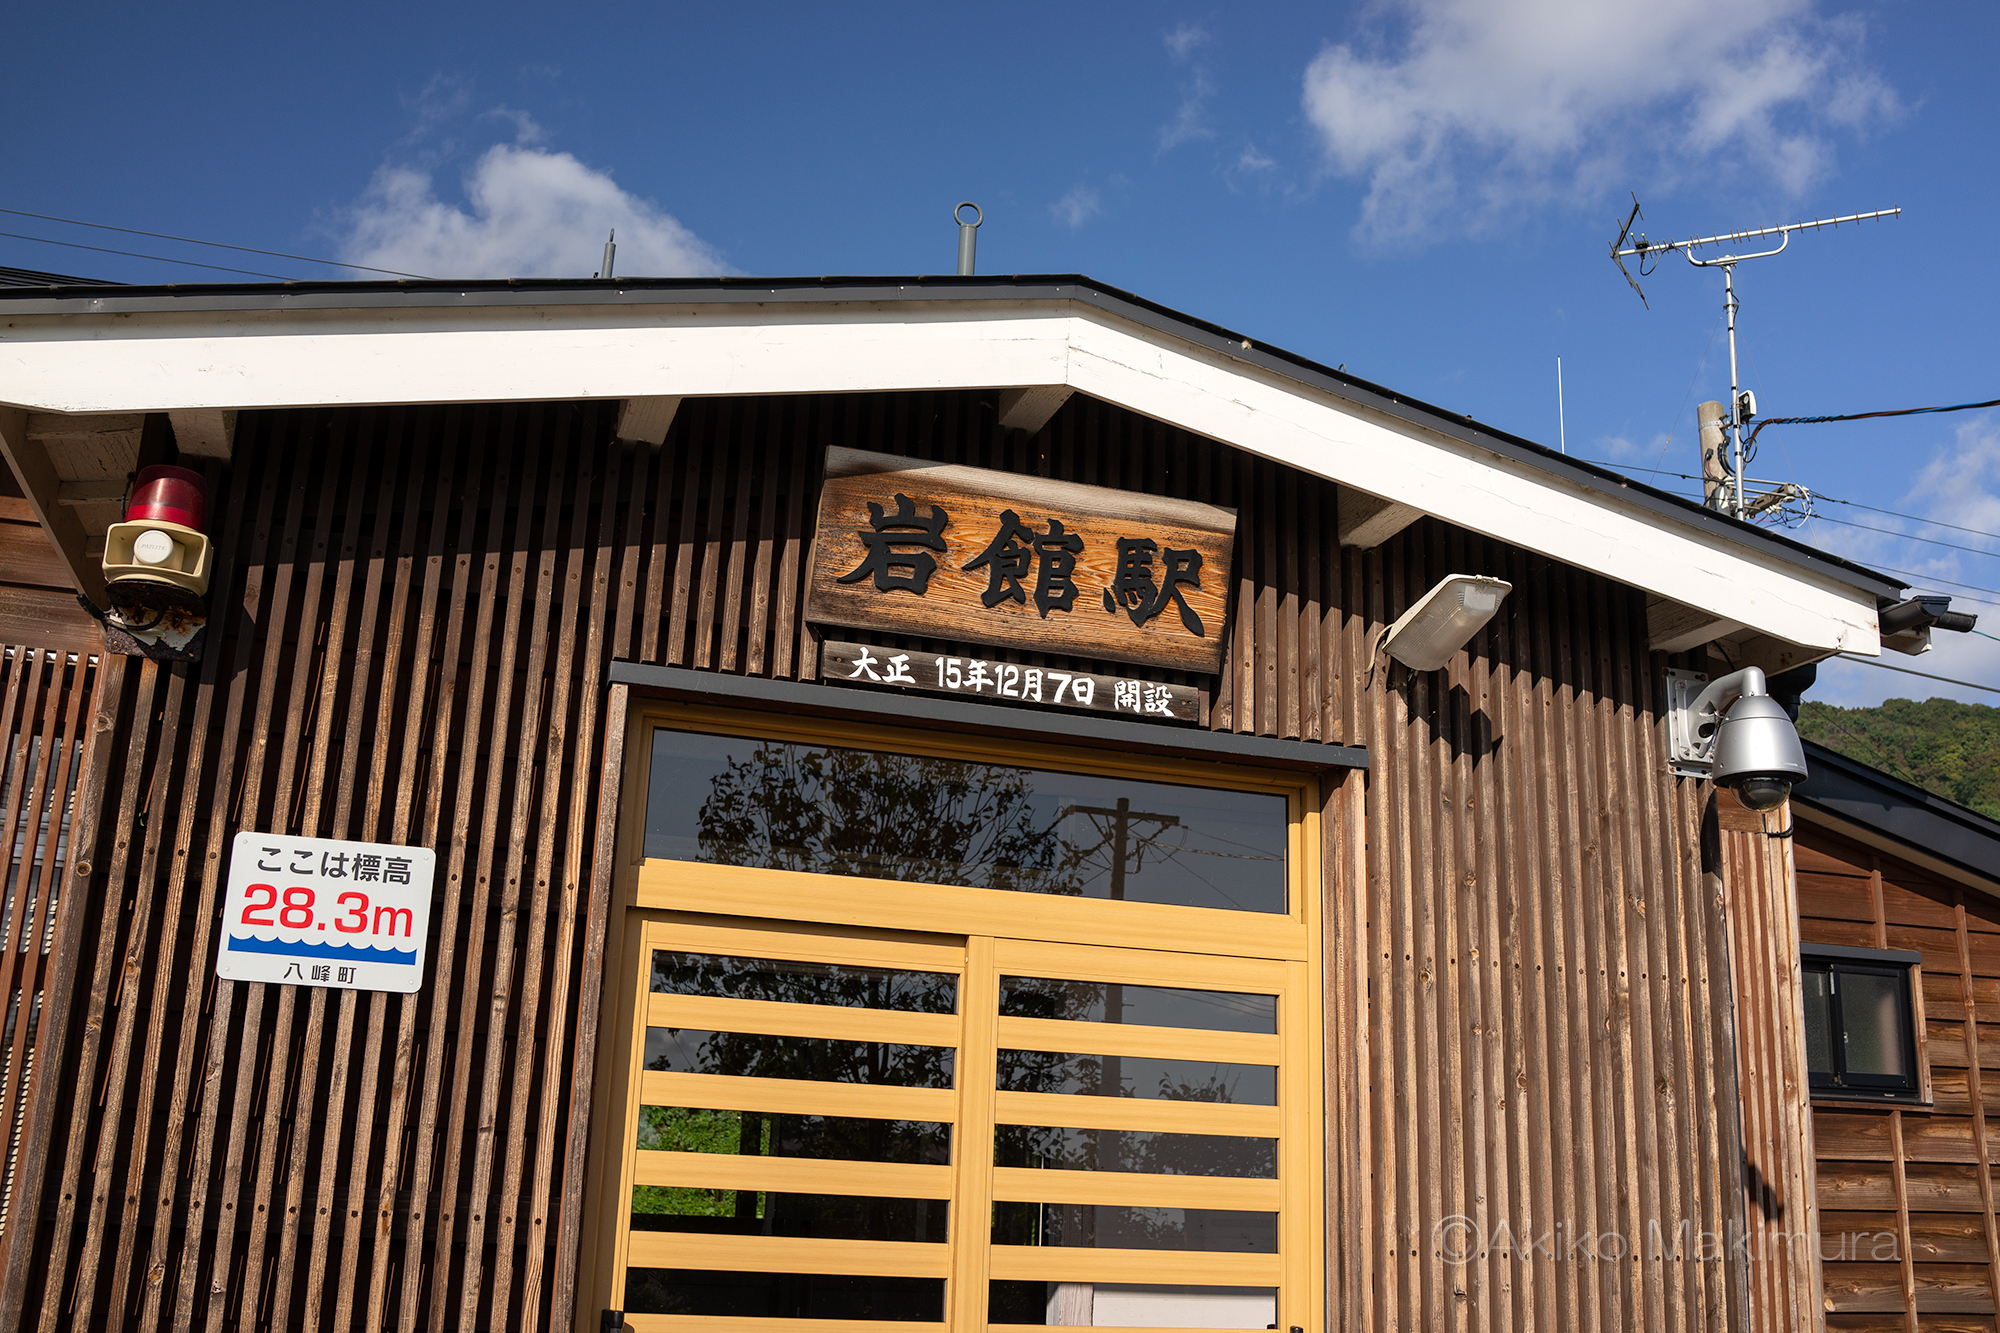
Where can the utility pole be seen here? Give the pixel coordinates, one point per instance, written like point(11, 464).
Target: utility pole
point(1741, 405)
point(1714, 454)
point(1121, 817)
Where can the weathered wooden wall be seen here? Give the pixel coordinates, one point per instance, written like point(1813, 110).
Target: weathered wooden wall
point(1909, 1235)
point(1543, 976)
point(422, 604)
point(46, 708)
point(1528, 1014)
point(37, 604)
point(1754, 853)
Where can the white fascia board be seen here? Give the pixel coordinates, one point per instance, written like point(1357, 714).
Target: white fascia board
point(267, 359)
point(281, 358)
point(1475, 488)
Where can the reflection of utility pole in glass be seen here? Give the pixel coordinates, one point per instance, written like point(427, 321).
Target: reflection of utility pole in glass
point(1071, 1303)
point(1118, 833)
point(1741, 405)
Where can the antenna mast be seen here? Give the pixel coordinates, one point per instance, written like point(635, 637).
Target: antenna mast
point(1742, 406)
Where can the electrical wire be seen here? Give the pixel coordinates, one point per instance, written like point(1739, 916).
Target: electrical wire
point(1970, 685)
point(1922, 579)
point(1932, 578)
point(1864, 416)
point(1828, 499)
point(134, 254)
point(220, 245)
point(1930, 522)
point(1932, 541)
point(1865, 527)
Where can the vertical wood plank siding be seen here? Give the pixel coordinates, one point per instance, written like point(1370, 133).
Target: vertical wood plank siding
point(1529, 1023)
point(1782, 1227)
point(45, 707)
point(1906, 1197)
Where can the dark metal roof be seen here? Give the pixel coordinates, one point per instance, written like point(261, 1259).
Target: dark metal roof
point(1025, 723)
point(1852, 791)
point(183, 298)
point(28, 277)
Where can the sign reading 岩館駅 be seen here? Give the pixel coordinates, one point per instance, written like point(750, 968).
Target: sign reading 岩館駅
point(1044, 566)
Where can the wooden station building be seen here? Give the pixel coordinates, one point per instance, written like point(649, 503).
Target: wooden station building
point(921, 833)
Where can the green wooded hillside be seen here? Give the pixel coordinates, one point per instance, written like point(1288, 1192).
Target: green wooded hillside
point(1948, 748)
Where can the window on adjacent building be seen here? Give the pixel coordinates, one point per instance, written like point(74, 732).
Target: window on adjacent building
point(1860, 1021)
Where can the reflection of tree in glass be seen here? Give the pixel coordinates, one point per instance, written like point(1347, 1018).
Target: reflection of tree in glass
point(1042, 997)
point(786, 981)
point(820, 1137)
point(885, 816)
point(680, 1129)
point(751, 1134)
point(1114, 1076)
point(1144, 1151)
point(815, 1059)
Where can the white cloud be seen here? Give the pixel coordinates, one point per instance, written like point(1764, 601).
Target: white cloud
point(1488, 105)
point(1959, 485)
point(1080, 205)
point(1252, 160)
point(528, 212)
point(1190, 120)
point(1958, 657)
point(1624, 449)
point(1182, 41)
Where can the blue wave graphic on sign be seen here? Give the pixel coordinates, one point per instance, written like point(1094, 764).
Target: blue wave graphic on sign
point(343, 953)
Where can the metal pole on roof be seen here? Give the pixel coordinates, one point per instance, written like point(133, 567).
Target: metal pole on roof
point(1562, 428)
point(967, 243)
point(610, 253)
point(1742, 406)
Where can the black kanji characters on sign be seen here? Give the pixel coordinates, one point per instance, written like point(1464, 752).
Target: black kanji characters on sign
point(1133, 590)
point(898, 543)
point(889, 549)
point(1014, 549)
point(1007, 559)
point(1054, 590)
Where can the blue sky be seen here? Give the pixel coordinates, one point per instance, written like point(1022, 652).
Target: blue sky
point(1420, 189)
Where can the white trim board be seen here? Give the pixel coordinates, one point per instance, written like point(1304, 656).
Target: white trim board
point(293, 358)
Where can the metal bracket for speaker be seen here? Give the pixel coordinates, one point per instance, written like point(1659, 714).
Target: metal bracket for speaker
point(1690, 740)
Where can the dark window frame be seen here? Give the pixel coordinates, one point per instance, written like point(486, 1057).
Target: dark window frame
point(1840, 1084)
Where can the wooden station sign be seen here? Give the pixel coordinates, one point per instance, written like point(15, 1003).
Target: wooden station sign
point(952, 552)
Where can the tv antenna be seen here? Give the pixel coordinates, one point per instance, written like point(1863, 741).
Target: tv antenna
point(1742, 406)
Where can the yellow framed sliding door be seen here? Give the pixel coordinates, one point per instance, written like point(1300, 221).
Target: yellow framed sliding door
point(1056, 1064)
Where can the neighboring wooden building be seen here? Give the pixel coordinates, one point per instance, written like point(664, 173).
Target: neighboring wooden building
point(1422, 999)
point(1898, 880)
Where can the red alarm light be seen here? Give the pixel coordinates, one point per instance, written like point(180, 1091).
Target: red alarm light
point(165, 494)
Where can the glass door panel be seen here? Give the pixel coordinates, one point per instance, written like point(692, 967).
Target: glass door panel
point(1143, 1170)
point(835, 1129)
point(796, 1105)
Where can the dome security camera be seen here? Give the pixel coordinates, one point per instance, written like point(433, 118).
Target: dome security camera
point(1733, 731)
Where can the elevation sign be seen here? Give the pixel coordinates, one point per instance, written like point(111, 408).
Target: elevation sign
point(326, 912)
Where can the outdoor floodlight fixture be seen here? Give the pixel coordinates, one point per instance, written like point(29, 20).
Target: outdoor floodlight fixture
point(1734, 731)
point(1443, 620)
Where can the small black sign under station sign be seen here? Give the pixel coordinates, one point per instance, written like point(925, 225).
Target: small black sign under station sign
point(1006, 682)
